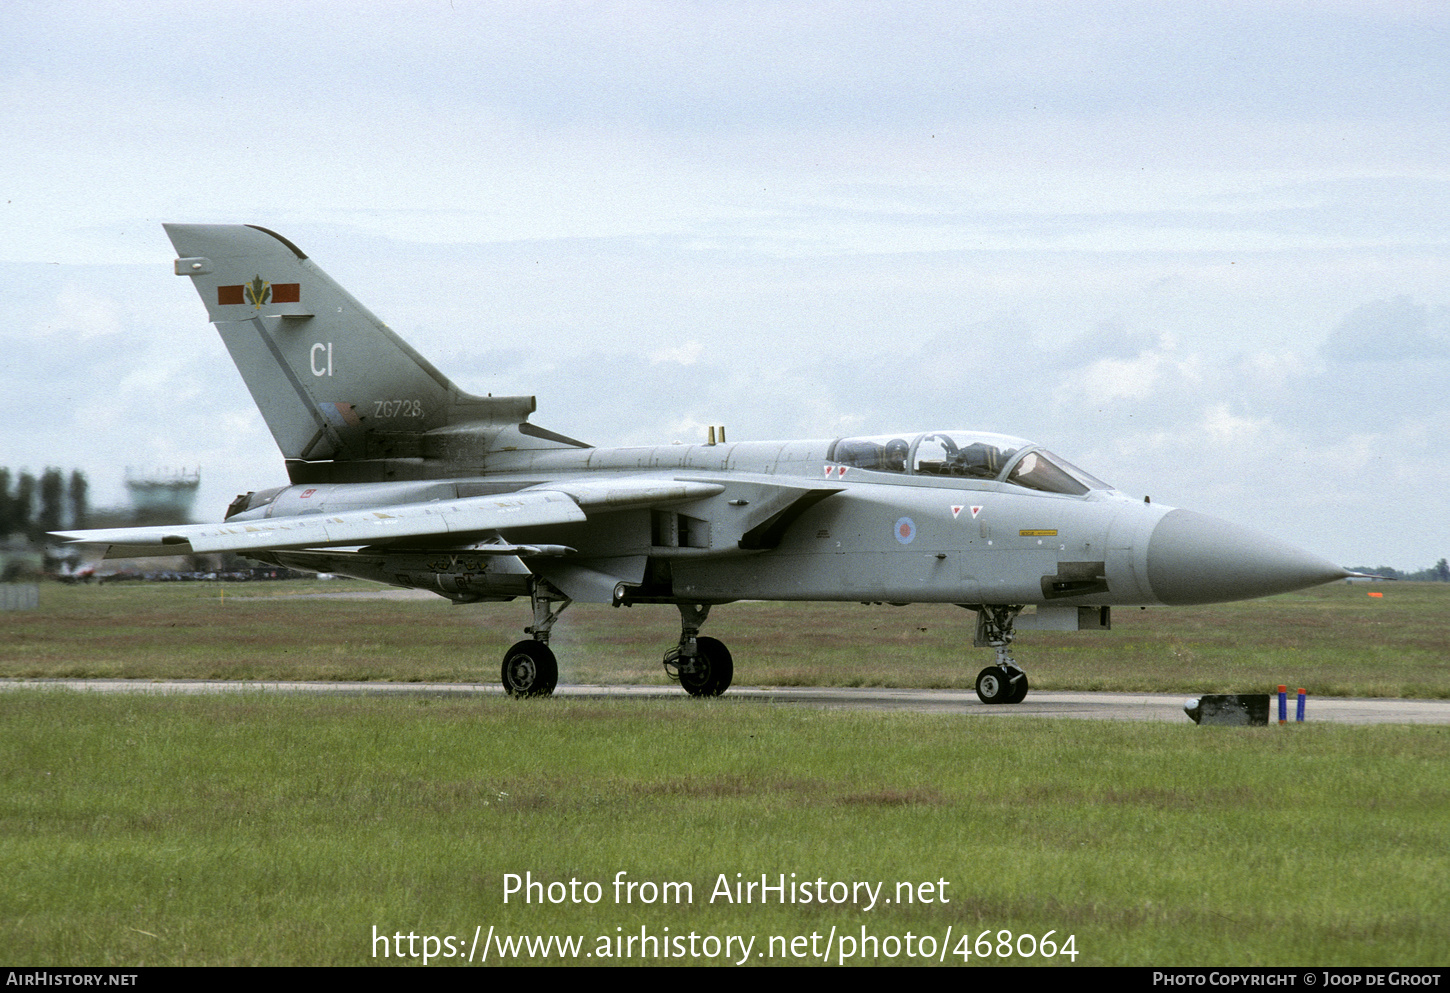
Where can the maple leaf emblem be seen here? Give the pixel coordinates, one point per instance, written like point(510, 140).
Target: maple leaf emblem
point(258, 292)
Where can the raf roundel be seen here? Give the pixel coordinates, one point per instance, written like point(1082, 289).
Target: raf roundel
point(905, 530)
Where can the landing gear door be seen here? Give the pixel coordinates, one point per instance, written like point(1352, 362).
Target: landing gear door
point(1066, 619)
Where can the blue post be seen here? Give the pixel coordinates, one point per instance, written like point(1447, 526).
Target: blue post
point(1283, 704)
point(1299, 711)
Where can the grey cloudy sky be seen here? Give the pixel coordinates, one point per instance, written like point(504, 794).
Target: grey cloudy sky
point(1199, 249)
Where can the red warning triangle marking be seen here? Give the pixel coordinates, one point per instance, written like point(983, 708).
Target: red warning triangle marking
point(957, 509)
point(975, 512)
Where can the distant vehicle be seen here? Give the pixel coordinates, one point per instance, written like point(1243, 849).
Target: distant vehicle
point(399, 476)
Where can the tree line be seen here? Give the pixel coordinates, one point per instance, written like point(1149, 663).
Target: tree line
point(1437, 573)
point(31, 506)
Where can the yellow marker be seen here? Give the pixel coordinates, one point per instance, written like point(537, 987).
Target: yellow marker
point(1039, 533)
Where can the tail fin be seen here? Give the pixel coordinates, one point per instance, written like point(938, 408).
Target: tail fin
point(333, 382)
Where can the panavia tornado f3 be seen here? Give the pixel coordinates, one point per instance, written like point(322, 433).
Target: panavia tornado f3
point(399, 476)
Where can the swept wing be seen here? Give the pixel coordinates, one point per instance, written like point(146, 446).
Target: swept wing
point(442, 522)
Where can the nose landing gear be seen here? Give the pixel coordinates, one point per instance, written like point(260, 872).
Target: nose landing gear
point(1005, 682)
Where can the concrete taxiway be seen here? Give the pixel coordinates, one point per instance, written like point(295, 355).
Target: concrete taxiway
point(1095, 706)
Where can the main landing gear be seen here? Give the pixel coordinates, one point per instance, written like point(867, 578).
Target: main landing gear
point(1004, 682)
point(529, 667)
point(703, 666)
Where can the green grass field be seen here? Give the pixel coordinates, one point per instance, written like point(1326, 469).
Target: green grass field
point(1333, 641)
point(255, 829)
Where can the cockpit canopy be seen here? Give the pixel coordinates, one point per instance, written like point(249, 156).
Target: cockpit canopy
point(967, 455)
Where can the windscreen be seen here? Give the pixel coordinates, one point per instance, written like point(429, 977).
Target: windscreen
point(1041, 470)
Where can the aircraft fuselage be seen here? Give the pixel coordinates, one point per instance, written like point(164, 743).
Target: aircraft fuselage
point(868, 536)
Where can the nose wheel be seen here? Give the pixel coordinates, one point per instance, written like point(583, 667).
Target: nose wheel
point(1004, 682)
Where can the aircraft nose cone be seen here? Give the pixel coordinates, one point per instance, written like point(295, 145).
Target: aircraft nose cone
point(1194, 558)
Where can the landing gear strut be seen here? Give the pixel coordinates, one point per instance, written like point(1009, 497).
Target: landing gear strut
point(702, 665)
point(1004, 682)
point(529, 667)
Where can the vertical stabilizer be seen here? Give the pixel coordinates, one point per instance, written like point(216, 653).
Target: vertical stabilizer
point(332, 381)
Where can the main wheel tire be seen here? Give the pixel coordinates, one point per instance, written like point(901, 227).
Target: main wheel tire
point(1019, 688)
point(714, 669)
point(992, 685)
point(530, 669)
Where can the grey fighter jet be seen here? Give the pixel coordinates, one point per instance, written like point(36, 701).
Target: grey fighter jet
point(399, 476)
